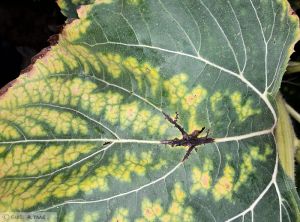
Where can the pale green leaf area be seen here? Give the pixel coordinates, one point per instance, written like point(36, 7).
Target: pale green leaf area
point(80, 131)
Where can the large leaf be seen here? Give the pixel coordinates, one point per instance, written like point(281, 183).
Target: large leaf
point(81, 128)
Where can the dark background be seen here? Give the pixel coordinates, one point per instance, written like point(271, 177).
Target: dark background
point(26, 25)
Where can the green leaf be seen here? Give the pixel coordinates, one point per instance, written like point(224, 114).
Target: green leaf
point(80, 130)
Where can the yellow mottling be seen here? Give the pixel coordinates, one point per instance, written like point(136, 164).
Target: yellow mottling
point(119, 170)
point(254, 152)
point(194, 98)
point(214, 100)
point(163, 128)
point(247, 167)
point(193, 121)
point(103, 1)
point(177, 210)
point(201, 178)
point(177, 91)
point(133, 66)
point(113, 106)
point(178, 194)
point(72, 191)
point(2, 149)
point(69, 216)
point(134, 2)
point(37, 131)
point(120, 215)
point(188, 215)
point(76, 29)
point(243, 109)
point(160, 164)
point(224, 186)
point(176, 88)
point(151, 210)
point(73, 151)
point(152, 75)
point(91, 217)
point(190, 103)
point(66, 56)
point(268, 150)
point(140, 122)
point(141, 72)
point(112, 63)
point(128, 114)
point(7, 131)
point(154, 124)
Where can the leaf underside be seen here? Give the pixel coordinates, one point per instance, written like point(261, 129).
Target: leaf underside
point(80, 130)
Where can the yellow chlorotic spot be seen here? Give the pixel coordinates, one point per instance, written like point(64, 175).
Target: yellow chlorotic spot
point(188, 215)
point(247, 167)
point(268, 150)
point(176, 88)
point(23, 190)
point(79, 95)
point(141, 120)
point(72, 152)
point(2, 149)
point(152, 75)
point(120, 215)
point(113, 107)
point(128, 114)
point(134, 2)
point(178, 91)
point(103, 1)
point(65, 94)
point(194, 98)
point(214, 100)
point(65, 56)
point(7, 131)
point(62, 4)
point(155, 125)
point(112, 63)
point(178, 194)
point(18, 162)
point(76, 29)
point(91, 217)
point(243, 110)
point(26, 122)
point(224, 186)
point(133, 66)
point(142, 72)
point(69, 217)
point(202, 177)
point(150, 210)
point(119, 170)
point(72, 95)
point(201, 181)
point(115, 64)
point(190, 103)
point(86, 57)
point(177, 210)
point(160, 164)
point(193, 121)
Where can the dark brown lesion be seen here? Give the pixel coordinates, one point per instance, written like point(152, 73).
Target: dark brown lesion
point(188, 140)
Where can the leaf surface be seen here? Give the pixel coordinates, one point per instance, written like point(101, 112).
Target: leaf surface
point(80, 130)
